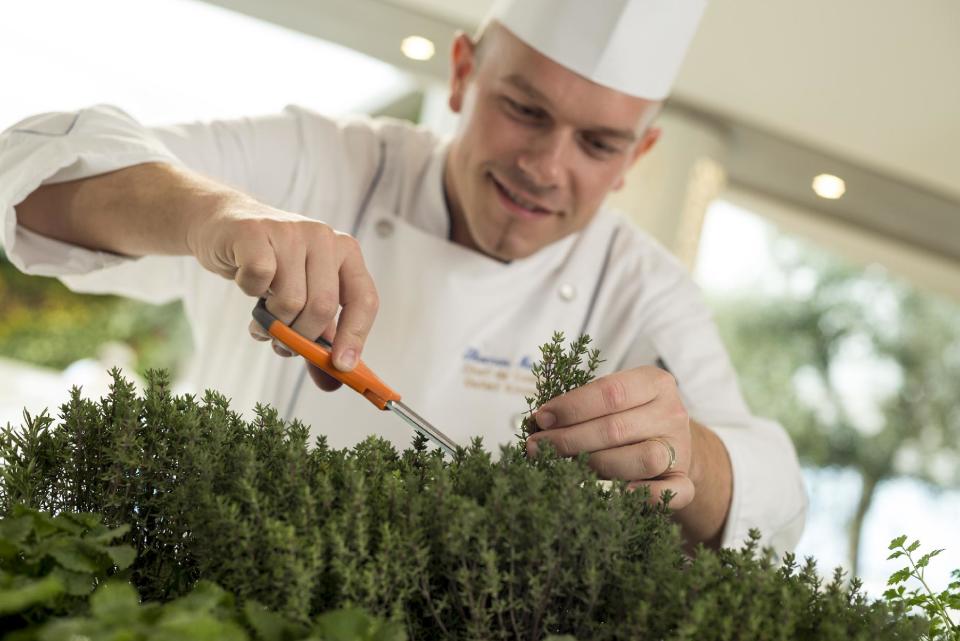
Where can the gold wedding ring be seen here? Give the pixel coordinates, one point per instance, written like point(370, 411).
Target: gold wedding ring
point(672, 453)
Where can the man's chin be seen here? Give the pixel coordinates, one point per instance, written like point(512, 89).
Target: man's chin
point(506, 243)
point(510, 251)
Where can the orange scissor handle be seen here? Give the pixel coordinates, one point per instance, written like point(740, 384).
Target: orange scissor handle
point(361, 378)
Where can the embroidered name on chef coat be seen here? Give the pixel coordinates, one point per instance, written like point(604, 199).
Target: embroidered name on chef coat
point(498, 374)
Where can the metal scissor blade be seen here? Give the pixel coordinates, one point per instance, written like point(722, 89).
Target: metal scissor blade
point(418, 423)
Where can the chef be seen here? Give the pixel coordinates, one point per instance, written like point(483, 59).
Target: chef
point(468, 253)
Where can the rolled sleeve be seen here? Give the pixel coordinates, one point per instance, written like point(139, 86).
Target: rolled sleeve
point(768, 490)
point(59, 147)
point(677, 327)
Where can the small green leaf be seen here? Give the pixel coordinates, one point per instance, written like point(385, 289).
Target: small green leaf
point(897, 542)
point(26, 595)
point(15, 529)
point(122, 556)
point(353, 624)
point(105, 535)
point(115, 601)
point(74, 583)
point(69, 554)
point(189, 626)
point(80, 522)
point(270, 626)
point(913, 546)
point(206, 596)
point(899, 576)
point(8, 550)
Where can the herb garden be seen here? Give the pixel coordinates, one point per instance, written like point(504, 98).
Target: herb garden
point(172, 517)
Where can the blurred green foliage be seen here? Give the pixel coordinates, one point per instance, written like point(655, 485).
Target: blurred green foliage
point(863, 369)
point(44, 323)
point(62, 577)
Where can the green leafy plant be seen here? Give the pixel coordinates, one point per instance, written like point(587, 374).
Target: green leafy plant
point(49, 565)
point(470, 548)
point(207, 613)
point(935, 605)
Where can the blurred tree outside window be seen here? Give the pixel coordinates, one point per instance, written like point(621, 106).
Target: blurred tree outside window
point(44, 323)
point(860, 366)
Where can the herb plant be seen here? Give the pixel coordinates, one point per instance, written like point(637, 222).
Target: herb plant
point(558, 371)
point(470, 548)
point(51, 566)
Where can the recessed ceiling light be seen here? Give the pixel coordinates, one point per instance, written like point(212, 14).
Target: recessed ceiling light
point(417, 48)
point(829, 186)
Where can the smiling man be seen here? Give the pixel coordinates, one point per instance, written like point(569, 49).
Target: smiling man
point(540, 146)
point(473, 249)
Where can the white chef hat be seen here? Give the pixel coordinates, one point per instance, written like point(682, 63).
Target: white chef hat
point(633, 46)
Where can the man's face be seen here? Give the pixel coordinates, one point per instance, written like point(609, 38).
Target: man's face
point(538, 146)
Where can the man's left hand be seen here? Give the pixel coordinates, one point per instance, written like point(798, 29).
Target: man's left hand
point(628, 422)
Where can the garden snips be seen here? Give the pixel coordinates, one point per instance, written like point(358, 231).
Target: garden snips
point(361, 378)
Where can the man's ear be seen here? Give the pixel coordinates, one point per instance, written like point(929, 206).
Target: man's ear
point(462, 63)
point(646, 143)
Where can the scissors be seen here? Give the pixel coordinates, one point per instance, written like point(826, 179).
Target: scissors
point(361, 378)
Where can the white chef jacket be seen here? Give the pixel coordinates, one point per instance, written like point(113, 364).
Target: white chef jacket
point(457, 331)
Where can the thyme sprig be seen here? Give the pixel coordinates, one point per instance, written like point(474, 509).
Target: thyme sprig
point(558, 372)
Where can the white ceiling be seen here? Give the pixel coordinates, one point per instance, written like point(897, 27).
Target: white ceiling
point(874, 81)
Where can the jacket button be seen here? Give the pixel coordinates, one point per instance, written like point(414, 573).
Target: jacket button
point(567, 292)
point(384, 228)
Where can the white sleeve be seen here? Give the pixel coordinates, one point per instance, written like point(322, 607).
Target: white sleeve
point(768, 489)
point(273, 158)
point(57, 147)
point(297, 160)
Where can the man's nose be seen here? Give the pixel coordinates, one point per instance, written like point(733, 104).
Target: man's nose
point(543, 160)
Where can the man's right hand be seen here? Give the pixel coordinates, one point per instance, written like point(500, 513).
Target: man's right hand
point(304, 268)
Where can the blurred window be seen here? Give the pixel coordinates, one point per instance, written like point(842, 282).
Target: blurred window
point(168, 61)
point(853, 343)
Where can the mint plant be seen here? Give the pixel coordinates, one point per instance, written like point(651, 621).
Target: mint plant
point(49, 565)
point(936, 605)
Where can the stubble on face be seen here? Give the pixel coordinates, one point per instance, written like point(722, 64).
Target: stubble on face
point(501, 246)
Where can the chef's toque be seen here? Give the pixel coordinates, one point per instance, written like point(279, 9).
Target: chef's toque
point(633, 46)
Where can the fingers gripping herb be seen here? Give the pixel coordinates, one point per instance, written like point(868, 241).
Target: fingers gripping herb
point(558, 372)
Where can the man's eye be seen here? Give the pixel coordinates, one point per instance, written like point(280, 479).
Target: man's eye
point(599, 146)
point(529, 113)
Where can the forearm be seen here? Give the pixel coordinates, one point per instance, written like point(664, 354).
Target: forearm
point(702, 521)
point(140, 210)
